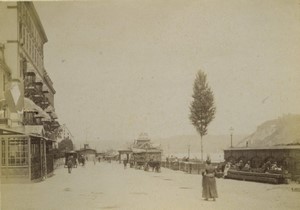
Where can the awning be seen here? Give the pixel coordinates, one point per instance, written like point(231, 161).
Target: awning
point(55, 124)
point(53, 115)
point(50, 109)
point(12, 131)
point(35, 129)
point(125, 151)
point(45, 89)
point(135, 150)
point(30, 106)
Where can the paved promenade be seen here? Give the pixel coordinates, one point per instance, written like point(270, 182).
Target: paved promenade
point(110, 186)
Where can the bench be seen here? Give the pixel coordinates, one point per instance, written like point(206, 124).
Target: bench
point(271, 178)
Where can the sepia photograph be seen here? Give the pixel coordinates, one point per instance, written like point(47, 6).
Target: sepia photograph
point(150, 105)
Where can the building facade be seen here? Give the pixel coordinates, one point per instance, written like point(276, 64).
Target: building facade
point(88, 153)
point(65, 133)
point(28, 123)
point(286, 156)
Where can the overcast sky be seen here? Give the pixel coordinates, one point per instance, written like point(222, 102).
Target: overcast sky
point(125, 67)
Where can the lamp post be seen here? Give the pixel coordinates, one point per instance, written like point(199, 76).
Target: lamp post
point(189, 149)
point(231, 133)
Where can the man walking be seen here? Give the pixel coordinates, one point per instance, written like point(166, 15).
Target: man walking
point(70, 164)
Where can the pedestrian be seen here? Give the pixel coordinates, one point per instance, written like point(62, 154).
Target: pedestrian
point(83, 161)
point(226, 169)
point(209, 186)
point(125, 163)
point(70, 163)
point(247, 166)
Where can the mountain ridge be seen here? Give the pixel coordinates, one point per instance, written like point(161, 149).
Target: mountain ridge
point(284, 130)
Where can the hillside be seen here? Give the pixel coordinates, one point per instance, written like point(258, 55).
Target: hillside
point(282, 131)
point(211, 143)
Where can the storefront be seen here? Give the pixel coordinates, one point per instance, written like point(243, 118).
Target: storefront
point(24, 157)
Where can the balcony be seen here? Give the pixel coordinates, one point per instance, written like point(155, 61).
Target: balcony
point(44, 103)
point(29, 90)
point(33, 89)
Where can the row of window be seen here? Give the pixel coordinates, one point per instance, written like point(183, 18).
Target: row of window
point(14, 152)
point(32, 42)
point(17, 152)
point(27, 20)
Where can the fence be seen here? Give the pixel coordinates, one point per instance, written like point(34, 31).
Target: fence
point(188, 167)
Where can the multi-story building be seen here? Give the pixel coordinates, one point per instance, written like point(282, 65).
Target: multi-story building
point(88, 153)
point(65, 133)
point(27, 117)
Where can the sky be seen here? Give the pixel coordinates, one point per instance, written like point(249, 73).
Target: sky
point(125, 67)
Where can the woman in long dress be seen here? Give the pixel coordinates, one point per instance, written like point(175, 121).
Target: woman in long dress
point(226, 169)
point(209, 182)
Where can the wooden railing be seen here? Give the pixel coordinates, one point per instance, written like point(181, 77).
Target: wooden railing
point(188, 167)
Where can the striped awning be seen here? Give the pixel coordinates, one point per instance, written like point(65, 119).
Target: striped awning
point(35, 129)
point(30, 106)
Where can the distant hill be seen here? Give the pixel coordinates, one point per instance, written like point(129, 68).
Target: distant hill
point(282, 131)
point(211, 143)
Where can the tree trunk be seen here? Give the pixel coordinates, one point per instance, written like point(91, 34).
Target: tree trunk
point(201, 149)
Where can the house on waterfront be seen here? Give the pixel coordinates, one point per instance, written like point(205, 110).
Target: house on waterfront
point(28, 123)
point(142, 148)
point(276, 140)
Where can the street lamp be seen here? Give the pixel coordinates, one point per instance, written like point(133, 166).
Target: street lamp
point(231, 133)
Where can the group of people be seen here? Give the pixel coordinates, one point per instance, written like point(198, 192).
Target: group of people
point(71, 161)
point(265, 167)
point(241, 166)
point(271, 166)
point(81, 160)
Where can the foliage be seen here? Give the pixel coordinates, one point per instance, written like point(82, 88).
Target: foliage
point(65, 145)
point(57, 154)
point(202, 107)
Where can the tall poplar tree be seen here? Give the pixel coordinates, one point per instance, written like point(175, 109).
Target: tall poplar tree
point(202, 107)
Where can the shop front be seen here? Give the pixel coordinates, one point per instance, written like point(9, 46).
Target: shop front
point(24, 158)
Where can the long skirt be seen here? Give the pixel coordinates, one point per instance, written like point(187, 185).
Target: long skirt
point(209, 187)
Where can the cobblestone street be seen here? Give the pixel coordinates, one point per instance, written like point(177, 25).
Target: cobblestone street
point(110, 186)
